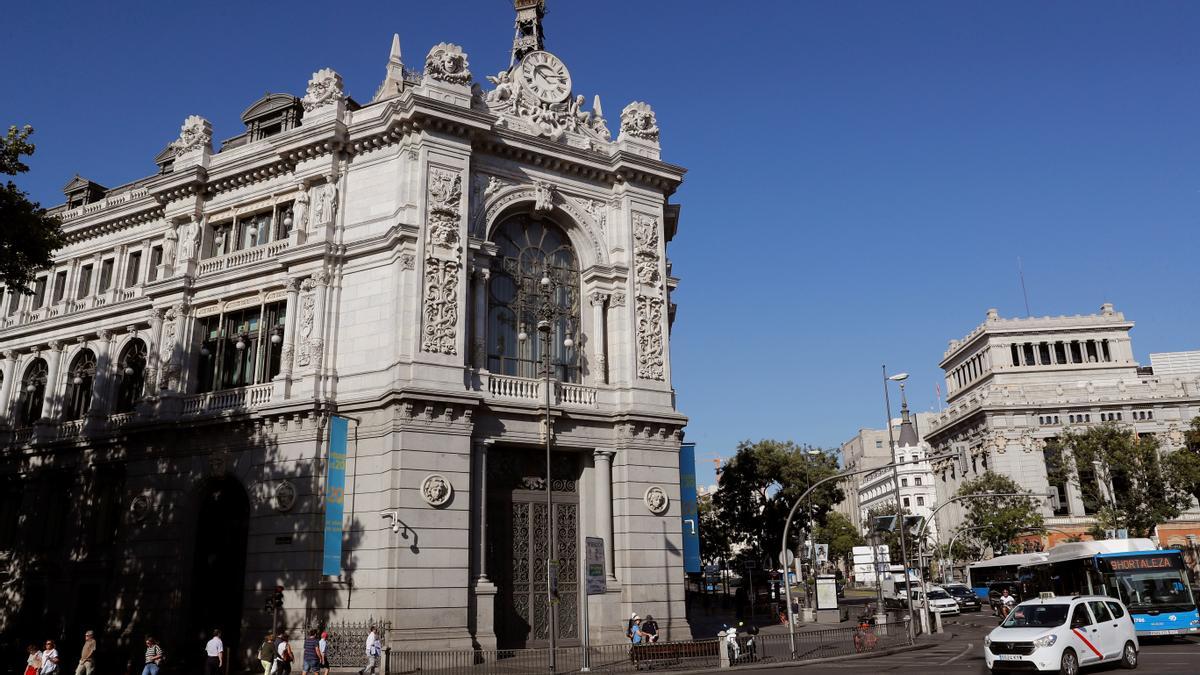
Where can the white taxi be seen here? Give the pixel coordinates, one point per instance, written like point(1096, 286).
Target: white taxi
point(940, 602)
point(1062, 634)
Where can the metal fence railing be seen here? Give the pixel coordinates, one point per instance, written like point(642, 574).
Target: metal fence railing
point(679, 656)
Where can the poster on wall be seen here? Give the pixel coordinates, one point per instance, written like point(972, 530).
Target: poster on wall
point(594, 560)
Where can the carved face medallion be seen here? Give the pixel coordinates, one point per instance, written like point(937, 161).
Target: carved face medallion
point(545, 77)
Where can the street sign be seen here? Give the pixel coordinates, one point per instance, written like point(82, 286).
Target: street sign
point(594, 559)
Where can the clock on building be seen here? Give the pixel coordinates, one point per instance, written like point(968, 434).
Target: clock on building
point(545, 77)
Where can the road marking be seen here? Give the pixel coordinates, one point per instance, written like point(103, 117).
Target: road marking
point(961, 654)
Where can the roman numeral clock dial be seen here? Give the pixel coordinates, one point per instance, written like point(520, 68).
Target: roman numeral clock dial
point(545, 77)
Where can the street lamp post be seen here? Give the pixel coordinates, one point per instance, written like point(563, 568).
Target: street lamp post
point(788, 523)
point(548, 313)
point(887, 401)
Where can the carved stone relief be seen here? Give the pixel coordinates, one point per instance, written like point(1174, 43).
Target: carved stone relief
point(656, 500)
point(436, 490)
point(447, 63)
point(195, 134)
point(308, 313)
point(650, 341)
point(649, 297)
point(324, 204)
point(638, 121)
point(442, 263)
point(285, 496)
point(324, 89)
point(645, 242)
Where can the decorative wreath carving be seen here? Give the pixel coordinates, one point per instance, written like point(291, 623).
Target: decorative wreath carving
point(656, 500)
point(436, 490)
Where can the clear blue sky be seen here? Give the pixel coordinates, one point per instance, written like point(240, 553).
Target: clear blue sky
point(863, 175)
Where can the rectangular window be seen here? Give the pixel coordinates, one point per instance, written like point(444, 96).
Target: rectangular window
point(1060, 353)
point(916, 480)
point(284, 217)
point(85, 282)
point(106, 271)
point(1016, 354)
point(1091, 352)
point(1076, 353)
point(906, 501)
point(920, 501)
point(1044, 352)
point(1029, 356)
point(879, 444)
point(39, 292)
point(156, 254)
point(134, 269)
point(1104, 350)
point(241, 348)
point(903, 482)
point(220, 242)
point(60, 286)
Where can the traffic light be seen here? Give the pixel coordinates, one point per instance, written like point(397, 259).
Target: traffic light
point(275, 600)
point(913, 523)
point(884, 524)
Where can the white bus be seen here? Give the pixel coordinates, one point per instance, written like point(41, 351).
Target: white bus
point(1000, 568)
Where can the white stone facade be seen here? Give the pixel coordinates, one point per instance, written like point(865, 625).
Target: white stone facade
point(1013, 383)
point(344, 259)
point(870, 448)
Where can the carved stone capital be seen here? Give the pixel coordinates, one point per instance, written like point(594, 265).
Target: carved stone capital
point(321, 278)
point(106, 335)
point(603, 455)
point(598, 298)
point(10, 354)
point(55, 345)
point(291, 285)
point(158, 313)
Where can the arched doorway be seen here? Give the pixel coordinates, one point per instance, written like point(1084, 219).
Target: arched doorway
point(219, 565)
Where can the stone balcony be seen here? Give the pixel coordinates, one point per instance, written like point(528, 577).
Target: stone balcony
point(66, 307)
point(242, 257)
point(530, 390)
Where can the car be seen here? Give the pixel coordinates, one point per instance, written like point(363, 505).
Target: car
point(940, 601)
point(967, 600)
point(1063, 634)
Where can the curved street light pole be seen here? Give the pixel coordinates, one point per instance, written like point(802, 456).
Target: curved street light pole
point(921, 540)
point(788, 523)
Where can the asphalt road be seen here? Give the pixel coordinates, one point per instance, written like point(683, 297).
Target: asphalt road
point(961, 653)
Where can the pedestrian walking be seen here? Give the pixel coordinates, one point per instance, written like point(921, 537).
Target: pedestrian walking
point(49, 658)
point(283, 656)
point(33, 662)
point(214, 654)
point(323, 649)
point(650, 629)
point(312, 660)
point(266, 653)
point(87, 655)
point(154, 656)
point(373, 649)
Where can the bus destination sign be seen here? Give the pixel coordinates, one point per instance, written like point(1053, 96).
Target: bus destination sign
point(1141, 563)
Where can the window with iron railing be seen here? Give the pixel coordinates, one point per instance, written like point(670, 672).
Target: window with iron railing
point(241, 348)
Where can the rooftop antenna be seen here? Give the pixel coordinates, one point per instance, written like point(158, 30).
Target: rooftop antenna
point(1024, 293)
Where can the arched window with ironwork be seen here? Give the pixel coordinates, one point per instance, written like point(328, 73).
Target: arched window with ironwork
point(33, 391)
point(131, 375)
point(78, 399)
point(532, 253)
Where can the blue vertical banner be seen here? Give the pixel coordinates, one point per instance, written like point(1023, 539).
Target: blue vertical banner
point(690, 512)
point(335, 496)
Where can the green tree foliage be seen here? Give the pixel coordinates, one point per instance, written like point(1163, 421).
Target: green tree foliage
point(841, 535)
point(1148, 489)
point(757, 488)
point(714, 536)
point(1184, 463)
point(999, 519)
point(28, 235)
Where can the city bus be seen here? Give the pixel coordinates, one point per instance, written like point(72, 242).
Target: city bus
point(1000, 568)
point(1152, 582)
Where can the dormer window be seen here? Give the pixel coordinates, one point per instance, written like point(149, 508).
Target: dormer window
point(80, 191)
point(270, 115)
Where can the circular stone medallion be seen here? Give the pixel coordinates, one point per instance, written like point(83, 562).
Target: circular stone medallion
point(139, 508)
point(436, 490)
point(285, 496)
point(656, 500)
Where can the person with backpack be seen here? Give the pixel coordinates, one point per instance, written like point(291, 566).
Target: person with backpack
point(283, 656)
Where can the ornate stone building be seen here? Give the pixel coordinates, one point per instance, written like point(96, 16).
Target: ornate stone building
point(167, 390)
point(1014, 384)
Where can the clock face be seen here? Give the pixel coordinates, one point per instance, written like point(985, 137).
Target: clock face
point(545, 77)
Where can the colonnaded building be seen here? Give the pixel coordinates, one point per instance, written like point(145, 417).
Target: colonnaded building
point(405, 262)
point(1015, 384)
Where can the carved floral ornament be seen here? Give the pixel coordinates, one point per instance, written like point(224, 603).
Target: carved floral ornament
point(638, 121)
point(436, 490)
point(195, 134)
point(656, 500)
point(324, 89)
point(139, 508)
point(447, 63)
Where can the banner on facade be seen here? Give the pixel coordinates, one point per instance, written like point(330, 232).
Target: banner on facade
point(690, 513)
point(594, 560)
point(335, 496)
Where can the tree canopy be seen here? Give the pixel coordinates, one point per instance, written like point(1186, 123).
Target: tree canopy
point(999, 519)
point(28, 235)
point(757, 488)
point(841, 535)
point(714, 536)
point(1146, 488)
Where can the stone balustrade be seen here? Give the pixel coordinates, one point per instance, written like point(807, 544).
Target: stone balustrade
point(530, 389)
point(69, 430)
point(228, 399)
point(243, 257)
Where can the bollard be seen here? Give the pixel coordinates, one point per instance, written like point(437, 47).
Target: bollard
point(387, 660)
point(723, 650)
point(937, 622)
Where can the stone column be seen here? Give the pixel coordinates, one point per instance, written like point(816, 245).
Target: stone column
point(604, 517)
point(479, 344)
point(289, 337)
point(483, 588)
point(152, 340)
point(52, 361)
point(598, 333)
point(101, 384)
point(8, 386)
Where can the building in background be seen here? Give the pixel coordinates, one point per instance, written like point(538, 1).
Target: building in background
point(917, 494)
point(869, 448)
point(166, 394)
point(1014, 383)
